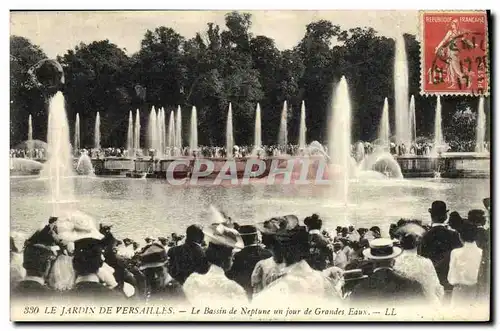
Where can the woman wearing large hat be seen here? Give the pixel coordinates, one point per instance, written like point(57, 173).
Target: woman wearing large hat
point(298, 282)
point(214, 286)
point(268, 270)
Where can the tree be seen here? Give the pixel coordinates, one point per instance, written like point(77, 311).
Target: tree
point(25, 99)
point(95, 82)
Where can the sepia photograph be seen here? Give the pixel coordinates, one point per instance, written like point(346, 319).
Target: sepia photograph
point(250, 166)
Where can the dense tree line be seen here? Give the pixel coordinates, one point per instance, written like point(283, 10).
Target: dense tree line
point(223, 65)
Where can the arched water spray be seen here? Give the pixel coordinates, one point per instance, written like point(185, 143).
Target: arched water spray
point(257, 137)
point(384, 128)
point(229, 133)
point(339, 139)
point(283, 133)
point(193, 134)
point(97, 132)
point(130, 134)
point(76, 143)
point(480, 127)
point(403, 132)
point(413, 123)
point(303, 128)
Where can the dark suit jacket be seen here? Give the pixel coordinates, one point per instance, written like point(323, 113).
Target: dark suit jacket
point(186, 259)
point(243, 264)
point(31, 289)
point(437, 244)
point(386, 287)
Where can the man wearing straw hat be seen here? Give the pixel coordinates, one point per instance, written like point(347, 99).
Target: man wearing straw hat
point(214, 286)
point(384, 284)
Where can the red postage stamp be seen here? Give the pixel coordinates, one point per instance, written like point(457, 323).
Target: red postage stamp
point(454, 53)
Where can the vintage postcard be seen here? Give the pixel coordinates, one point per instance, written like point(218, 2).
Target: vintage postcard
point(250, 165)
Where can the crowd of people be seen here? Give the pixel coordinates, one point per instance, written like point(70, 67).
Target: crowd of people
point(417, 148)
point(445, 262)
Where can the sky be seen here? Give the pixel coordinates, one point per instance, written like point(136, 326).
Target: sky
point(56, 32)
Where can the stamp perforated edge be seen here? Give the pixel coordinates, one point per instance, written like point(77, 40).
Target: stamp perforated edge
point(421, 48)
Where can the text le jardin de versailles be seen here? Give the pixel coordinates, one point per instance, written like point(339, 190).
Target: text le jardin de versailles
point(62, 311)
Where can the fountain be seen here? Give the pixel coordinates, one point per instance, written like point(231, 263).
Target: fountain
point(76, 143)
point(84, 165)
point(481, 128)
point(257, 137)
point(171, 130)
point(403, 132)
point(229, 133)
point(384, 131)
point(152, 128)
point(303, 128)
point(339, 139)
point(160, 133)
point(30, 145)
point(130, 134)
point(413, 121)
point(439, 145)
point(283, 133)
point(97, 132)
point(163, 132)
point(58, 168)
point(178, 130)
point(193, 134)
point(137, 133)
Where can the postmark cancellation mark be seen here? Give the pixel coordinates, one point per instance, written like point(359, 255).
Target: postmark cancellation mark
point(454, 53)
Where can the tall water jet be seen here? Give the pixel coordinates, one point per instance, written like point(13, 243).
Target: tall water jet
point(257, 137)
point(30, 128)
point(163, 131)
point(384, 128)
point(30, 145)
point(130, 134)
point(97, 132)
point(193, 134)
point(76, 142)
point(137, 132)
point(480, 127)
point(303, 128)
point(339, 138)
point(403, 132)
point(439, 143)
point(59, 168)
point(413, 121)
point(229, 133)
point(178, 129)
point(282, 138)
point(160, 133)
point(152, 143)
point(171, 130)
